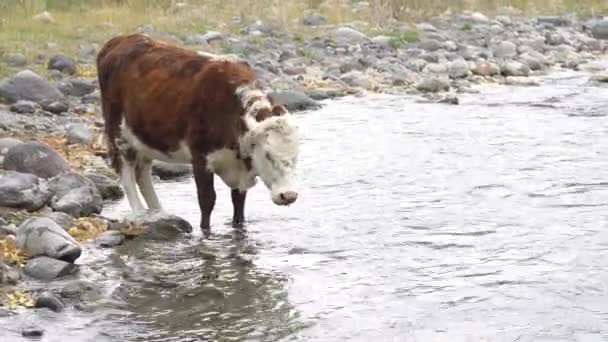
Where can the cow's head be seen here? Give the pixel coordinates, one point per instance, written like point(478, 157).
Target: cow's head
point(272, 145)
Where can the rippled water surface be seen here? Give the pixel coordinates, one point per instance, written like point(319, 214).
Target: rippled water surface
point(416, 222)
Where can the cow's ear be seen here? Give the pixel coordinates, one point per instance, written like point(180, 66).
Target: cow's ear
point(278, 110)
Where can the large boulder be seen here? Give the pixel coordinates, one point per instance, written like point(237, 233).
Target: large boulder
point(23, 191)
point(37, 158)
point(75, 194)
point(27, 85)
point(41, 236)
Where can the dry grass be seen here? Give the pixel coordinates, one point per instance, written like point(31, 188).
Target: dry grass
point(10, 253)
point(86, 229)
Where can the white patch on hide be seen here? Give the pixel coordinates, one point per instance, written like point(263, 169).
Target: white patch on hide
point(246, 93)
point(230, 169)
point(181, 156)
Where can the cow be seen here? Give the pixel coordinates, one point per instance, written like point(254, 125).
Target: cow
point(161, 101)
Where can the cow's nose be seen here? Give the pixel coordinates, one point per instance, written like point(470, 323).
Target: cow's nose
point(288, 197)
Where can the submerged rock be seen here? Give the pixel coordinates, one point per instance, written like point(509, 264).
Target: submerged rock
point(158, 225)
point(45, 268)
point(50, 301)
point(293, 100)
point(41, 236)
point(111, 238)
point(23, 191)
point(37, 158)
point(32, 331)
point(75, 194)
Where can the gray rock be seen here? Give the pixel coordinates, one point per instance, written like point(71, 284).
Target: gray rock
point(158, 225)
point(349, 36)
point(433, 85)
point(430, 45)
point(64, 220)
point(24, 107)
point(23, 191)
point(514, 68)
point(77, 87)
point(111, 238)
point(79, 134)
point(436, 68)
point(599, 29)
point(27, 85)
point(382, 41)
point(293, 100)
point(505, 49)
point(62, 63)
point(109, 189)
point(459, 68)
point(504, 19)
point(45, 268)
point(170, 171)
point(7, 229)
point(314, 19)
point(37, 158)
point(7, 143)
point(555, 38)
point(8, 275)
point(55, 107)
point(553, 20)
point(49, 300)
point(32, 331)
point(41, 236)
point(81, 290)
point(14, 59)
point(416, 64)
point(358, 79)
point(75, 194)
point(534, 60)
point(211, 36)
point(486, 69)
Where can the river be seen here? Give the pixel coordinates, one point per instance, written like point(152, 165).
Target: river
point(415, 222)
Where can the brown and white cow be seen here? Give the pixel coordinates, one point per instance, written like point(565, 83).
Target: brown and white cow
point(168, 103)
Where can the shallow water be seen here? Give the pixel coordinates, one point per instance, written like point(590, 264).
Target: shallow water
point(416, 222)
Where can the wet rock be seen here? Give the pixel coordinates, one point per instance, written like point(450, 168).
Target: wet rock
point(64, 220)
point(459, 68)
point(486, 69)
point(14, 59)
point(167, 171)
point(158, 225)
point(24, 107)
point(109, 189)
point(45, 268)
point(32, 331)
point(41, 236)
point(23, 191)
point(75, 194)
point(505, 49)
point(79, 134)
point(27, 85)
point(110, 239)
point(37, 158)
point(6, 313)
point(8, 275)
point(314, 19)
point(50, 301)
point(433, 85)
point(62, 63)
point(81, 289)
point(77, 87)
point(293, 100)
point(55, 107)
point(514, 68)
point(349, 36)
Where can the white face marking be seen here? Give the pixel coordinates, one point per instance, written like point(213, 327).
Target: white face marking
point(273, 146)
point(181, 156)
point(246, 93)
point(230, 169)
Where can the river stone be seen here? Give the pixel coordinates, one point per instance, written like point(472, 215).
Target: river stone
point(553, 20)
point(81, 290)
point(459, 68)
point(8, 274)
point(432, 85)
point(32, 331)
point(170, 170)
point(430, 45)
point(23, 191)
point(14, 59)
point(64, 220)
point(109, 189)
point(505, 49)
point(110, 239)
point(37, 158)
point(158, 224)
point(55, 107)
point(27, 85)
point(436, 68)
point(24, 107)
point(356, 78)
point(314, 19)
point(75, 194)
point(514, 68)
point(293, 100)
point(486, 69)
point(534, 60)
point(77, 87)
point(79, 134)
point(7, 143)
point(49, 300)
point(349, 36)
point(45, 268)
point(41, 236)
point(62, 63)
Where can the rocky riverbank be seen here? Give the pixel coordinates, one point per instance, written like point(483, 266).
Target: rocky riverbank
point(54, 179)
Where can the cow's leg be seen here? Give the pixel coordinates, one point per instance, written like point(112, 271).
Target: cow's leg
point(144, 180)
point(238, 205)
point(129, 183)
point(206, 192)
